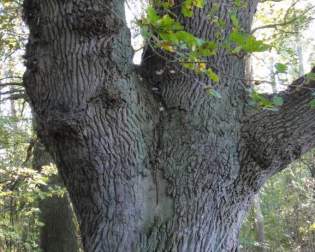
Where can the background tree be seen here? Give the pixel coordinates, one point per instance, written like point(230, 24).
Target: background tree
point(287, 203)
point(31, 205)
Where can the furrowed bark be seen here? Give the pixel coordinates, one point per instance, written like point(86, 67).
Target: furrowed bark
point(276, 138)
point(199, 144)
point(93, 115)
point(151, 162)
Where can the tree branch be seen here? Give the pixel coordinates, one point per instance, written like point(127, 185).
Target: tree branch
point(276, 138)
point(9, 84)
point(285, 22)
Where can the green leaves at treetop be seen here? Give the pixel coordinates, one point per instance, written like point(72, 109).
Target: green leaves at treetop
point(281, 68)
point(247, 43)
point(188, 5)
point(162, 30)
point(168, 34)
point(164, 23)
point(266, 103)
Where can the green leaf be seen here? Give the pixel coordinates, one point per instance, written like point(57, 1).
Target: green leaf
point(187, 6)
point(311, 76)
point(281, 68)
point(186, 37)
point(214, 93)
point(240, 3)
point(234, 20)
point(247, 42)
point(212, 75)
point(312, 104)
point(152, 15)
point(188, 65)
point(207, 48)
point(261, 100)
point(169, 36)
point(238, 38)
point(144, 31)
point(199, 3)
point(252, 45)
point(277, 100)
point(167, 23)
point(186, 9)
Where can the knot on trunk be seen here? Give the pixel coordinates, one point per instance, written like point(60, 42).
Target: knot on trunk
point(62, 126)
point(107, 98)
point(94, 23)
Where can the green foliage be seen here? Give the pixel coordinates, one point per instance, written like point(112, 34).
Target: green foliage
point(264, 102)
point(312, 103)
point(188, 6)
point(311, 76)
point(169, 35)
point(21, 187)
point(281, 68)
point(288, 206)
point(247, 43)
point(283, 29)
point(12, 34)
point(163, 31)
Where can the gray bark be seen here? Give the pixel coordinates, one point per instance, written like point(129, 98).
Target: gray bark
point(142, 178)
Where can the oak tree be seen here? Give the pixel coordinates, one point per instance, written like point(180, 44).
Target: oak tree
point(166, 156)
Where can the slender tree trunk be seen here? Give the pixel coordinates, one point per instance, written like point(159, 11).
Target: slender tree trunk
point(59, 231)
point(175, 171)
point(311, 165)
point(299, 52)
point(259, 222)
point(273, 76)
point(12, 107)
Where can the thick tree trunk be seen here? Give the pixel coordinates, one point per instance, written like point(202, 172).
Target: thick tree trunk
point(145, 172)
point(59, 230)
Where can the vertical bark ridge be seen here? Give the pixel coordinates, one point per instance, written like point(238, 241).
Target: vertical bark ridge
point(200, 148)
point(93, 114)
